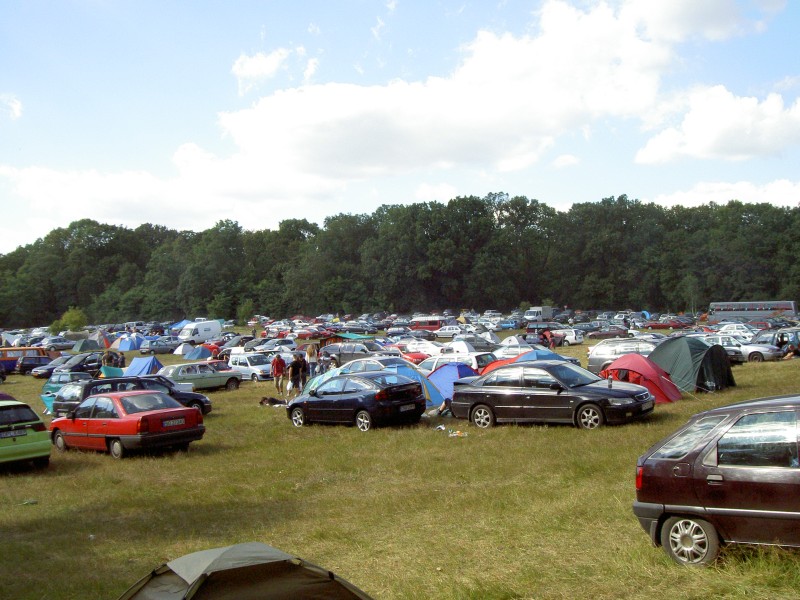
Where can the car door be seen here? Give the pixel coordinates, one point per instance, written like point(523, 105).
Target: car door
point(502, 391)
point(76, 430)
point(749, 479)
point(210, 377)
point(542, 402)
point(322, 406)
point(97, 425)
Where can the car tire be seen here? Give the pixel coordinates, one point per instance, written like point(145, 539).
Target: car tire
point(565, 342)
point(298, 417)
point(334, 363)
point(115, 448)
point(363, 420)
point(196, 405)
point(254, 378)
point(51, 348)
point(690, 541)
point(232, 384)
point(589, 416)
point(482, 416)
point(59, 442)
point(755, 357)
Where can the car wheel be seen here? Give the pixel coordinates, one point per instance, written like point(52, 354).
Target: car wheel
point(51, 348)
point(298, 418)
point(196, 405)
point(565, 343)
point(232, 384)
point(59, 442)
point(589, 416)
point(482, 416)
point(363, 420)
point(755, 357)
point(116, 448)
point(253, 377)
point(334, 363)
point(690, 541)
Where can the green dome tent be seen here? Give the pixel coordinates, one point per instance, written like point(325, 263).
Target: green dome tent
point(251, 571)
point(693, 365)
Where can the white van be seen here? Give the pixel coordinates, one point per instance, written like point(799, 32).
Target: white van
point(199, 332)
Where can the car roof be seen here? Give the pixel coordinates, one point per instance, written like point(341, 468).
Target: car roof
point(787, 401)
point(13, 403)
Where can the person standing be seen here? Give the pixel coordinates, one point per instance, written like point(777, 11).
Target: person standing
point(295, 374)
point(312, 358)
point(278, 366)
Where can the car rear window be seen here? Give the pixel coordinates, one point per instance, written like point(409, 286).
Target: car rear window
point(682, 443)
point(12, 415)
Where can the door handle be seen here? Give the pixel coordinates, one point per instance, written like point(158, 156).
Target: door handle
point(714, 479)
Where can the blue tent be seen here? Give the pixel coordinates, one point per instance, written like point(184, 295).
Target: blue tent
point(445, 375)
point(539, 354)
point(176, 327)
point(142, 365)
point(433, 397)
point(199, 353)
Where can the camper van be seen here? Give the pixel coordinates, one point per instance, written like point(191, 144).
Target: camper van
point(539, 313)
point(199, 331)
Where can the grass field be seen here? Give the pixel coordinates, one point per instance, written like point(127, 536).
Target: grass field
point(511, 512)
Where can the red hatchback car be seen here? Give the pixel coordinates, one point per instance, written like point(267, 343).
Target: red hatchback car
point(124, 421)
point(730, 475)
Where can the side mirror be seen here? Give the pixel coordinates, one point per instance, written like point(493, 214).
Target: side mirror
point(556, 386)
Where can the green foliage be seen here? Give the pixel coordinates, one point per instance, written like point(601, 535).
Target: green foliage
point(477, 252)
point(74, 319)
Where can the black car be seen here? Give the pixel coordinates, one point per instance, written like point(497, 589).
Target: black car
point(342, 353)
point(730, 475)
point(46, 370)
point(72, 394)
point(86, 362)
point(548, 391)
point(157, 347)
point(26, 364)
point(423, 334)
point(375, 397)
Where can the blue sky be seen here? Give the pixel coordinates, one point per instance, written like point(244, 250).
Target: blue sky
point(186, 113)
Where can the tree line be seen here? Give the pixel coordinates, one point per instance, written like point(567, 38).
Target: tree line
point(492, 252)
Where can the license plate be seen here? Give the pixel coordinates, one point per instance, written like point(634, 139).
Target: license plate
point(406, 407)
point(647, 405)
point(13, 433)
point(173, 422)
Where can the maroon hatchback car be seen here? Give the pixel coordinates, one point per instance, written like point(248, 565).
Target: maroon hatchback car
point(730, 475)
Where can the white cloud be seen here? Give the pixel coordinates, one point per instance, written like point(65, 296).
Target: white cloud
point(677, 20)
point(250, 70)
point(313, 29)
point(441, 192)
point(565, 160)
point(719, 125)
point(391, 5)
point(311, 68)
point(781, 192)
point(10, 106)
point(379, 27)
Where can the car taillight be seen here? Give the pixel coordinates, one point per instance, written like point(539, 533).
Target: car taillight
point(639, 474)
point(382, 395)
point(144, 425)
point(39, 427)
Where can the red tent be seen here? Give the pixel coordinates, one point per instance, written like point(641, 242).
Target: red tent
point(639, 369)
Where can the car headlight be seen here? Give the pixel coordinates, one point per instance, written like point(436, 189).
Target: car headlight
point(620, 401)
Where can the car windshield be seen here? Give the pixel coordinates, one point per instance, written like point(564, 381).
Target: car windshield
point(12, 415)
point(387, 379)
point(573, 375)
point(683, 442)
point(258, 359)
point(75, 360)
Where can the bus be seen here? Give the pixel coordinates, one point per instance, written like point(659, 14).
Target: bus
point(10, 354)
point(431, 322)
point(721, 311)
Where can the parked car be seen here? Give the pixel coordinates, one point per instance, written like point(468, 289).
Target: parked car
point(73, 393)
point(56, 342)
point(778, 337)
point(87, 362)
point(342, 353)
point(46, 370)
point(157, 347)
point(448, 331)
point(548, 391)
point(202, 376)
point(366, 399)
point(23, 435)
point(608, 331)
point(120, 422)
point(476, 360)
point(26, 364)
point(730, 475)
point(665, 323)
point(375, 363)
point(738, 329)
point(252, 365)
point(607, 351)
point(747, 351)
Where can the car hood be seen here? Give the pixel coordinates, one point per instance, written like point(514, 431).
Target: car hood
point(618, 389)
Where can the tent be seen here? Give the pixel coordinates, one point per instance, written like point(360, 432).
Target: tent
point(176, 327)
point(251, 571)
point(433, 397)
point(639, 369)
point(142, 365)
point(86, 345)
point(694, 365)
point(535, 354)
point(184, 349)
point(198, 353)
point(101, 338)
point(129, 342)
point(106, 371)
point(445, 375)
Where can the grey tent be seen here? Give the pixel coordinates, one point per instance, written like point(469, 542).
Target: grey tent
point(86, 345)
point(693, 365)
point(251, 571)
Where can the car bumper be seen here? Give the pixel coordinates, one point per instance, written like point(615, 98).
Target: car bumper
point(33, 445)
point(649, 515)
point(628, 412)
point(160, 440)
